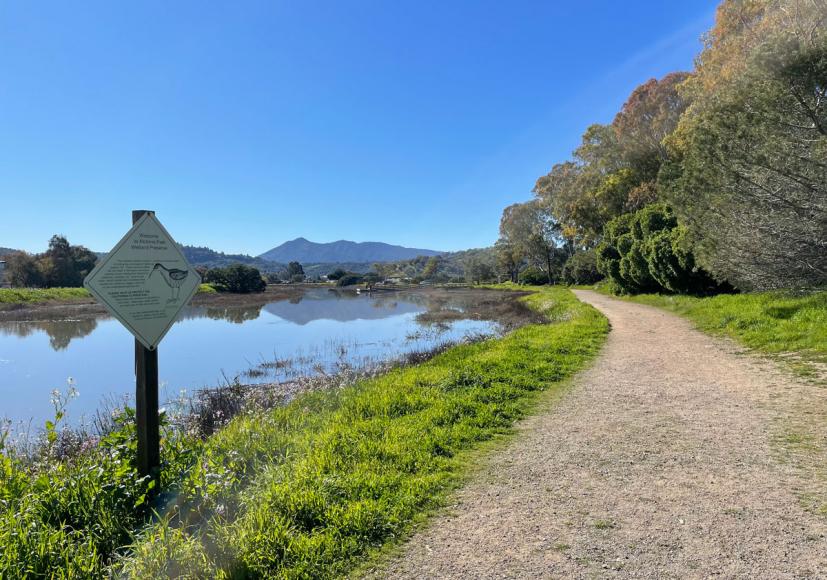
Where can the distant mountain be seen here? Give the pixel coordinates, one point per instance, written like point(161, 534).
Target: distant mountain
point(305, 251)
point(198, 256)
point(4, 251)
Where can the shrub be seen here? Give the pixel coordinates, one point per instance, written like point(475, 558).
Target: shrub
point(337, 274)
point(349, 280)
point(294, 272)
point(581, 268)
point(648, 251)
point(238, 278)
point(533, 276)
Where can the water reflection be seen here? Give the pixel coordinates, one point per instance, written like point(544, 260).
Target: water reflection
point(302, 307)
point(60, 332)
point(283, 333)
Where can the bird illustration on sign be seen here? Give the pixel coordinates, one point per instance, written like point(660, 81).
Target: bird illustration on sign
point(173, 277)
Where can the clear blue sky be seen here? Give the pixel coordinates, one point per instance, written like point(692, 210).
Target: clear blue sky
point(245, 124)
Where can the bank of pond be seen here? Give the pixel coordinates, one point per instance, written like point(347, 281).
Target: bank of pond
point(311, 487)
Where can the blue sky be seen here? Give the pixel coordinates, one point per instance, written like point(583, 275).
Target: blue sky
point(245, 124)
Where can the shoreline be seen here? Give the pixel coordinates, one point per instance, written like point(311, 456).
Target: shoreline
point(85, 308)
point(89, 308)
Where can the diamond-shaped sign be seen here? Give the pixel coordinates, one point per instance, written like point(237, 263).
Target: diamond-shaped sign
point(144, 281)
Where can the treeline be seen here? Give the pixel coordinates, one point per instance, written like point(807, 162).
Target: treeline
point(704, 181)
point(473, 266)
point(61, 265)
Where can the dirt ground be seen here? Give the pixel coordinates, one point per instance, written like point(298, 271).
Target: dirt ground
point(674, 456)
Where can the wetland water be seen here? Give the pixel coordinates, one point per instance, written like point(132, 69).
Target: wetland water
point(313, 330)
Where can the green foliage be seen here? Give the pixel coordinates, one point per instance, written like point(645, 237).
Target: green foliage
point(529, 232)
point(314, 488)
point(737, 149)
point(31, 295)
point(793, 324)
point(238, 278)
point(349, 280)
point(615, 167)
point(22, 270)
point(449, 267)
point(581, 268)
point(62, 265)
point(337, 274)
point(34, 295)
point(309, 489)
point(533, 276)
point(294, 272)
point(647, 251)
point(479, 272)
point(70, 516)
point(747, 174)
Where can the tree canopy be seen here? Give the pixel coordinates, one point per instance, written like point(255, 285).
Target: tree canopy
point(729, 157)
point(61, 265)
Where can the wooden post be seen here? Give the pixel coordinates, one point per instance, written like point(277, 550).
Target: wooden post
point(146, 403)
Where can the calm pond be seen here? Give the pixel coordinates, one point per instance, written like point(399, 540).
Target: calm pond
point(316, 330)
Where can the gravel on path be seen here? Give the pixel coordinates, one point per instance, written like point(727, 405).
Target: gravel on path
point(662, 461)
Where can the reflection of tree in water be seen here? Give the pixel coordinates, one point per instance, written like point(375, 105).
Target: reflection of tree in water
point(234, 314)
point(61, 332)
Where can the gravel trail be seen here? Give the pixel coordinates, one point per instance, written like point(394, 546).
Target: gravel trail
point(659, 462)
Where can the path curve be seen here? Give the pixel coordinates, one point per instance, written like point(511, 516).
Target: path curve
point(658, 462)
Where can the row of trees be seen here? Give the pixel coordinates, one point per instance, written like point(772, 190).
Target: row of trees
point(703, 179)
point(61, 265)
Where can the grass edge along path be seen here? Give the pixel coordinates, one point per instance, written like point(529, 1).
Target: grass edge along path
point(338, 475)
point(789, 326)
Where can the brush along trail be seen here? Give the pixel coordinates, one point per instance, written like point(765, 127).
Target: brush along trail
point(673, 456)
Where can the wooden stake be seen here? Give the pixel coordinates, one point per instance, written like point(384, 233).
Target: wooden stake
point(146, 403)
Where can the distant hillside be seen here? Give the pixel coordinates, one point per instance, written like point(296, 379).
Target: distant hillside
point(448, 266)
point(4, 251)
point(305, 251)
point(198, 256)
point(325, 268)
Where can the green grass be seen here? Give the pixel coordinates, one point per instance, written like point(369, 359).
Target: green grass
point(33, 295)
point(314, 488)
point(792, 326)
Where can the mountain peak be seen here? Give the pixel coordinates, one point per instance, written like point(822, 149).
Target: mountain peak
point(303, 250)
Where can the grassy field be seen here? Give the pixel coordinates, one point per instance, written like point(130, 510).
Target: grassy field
point(32, 295)
point(310, 489)
point(791, 326)
point(35, 295)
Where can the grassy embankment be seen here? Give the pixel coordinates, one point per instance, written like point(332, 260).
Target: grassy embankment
point(35, 295)
point(310, 489)
point(789, 325)
point(32, 295)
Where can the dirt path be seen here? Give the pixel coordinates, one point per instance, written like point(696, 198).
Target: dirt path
point(659, 463)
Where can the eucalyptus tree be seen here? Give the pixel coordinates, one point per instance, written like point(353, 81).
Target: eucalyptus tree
point(749, 169)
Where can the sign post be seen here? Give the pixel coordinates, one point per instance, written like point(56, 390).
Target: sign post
point(144, 282)
point(146, 402)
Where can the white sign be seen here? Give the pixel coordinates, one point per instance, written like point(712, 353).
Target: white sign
point(144, 281)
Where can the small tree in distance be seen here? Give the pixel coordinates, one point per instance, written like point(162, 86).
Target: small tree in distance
point(238, 278)
point(294, 272)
